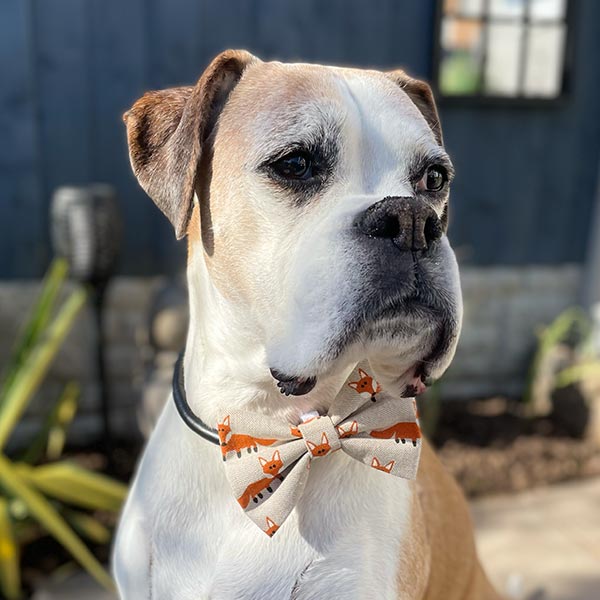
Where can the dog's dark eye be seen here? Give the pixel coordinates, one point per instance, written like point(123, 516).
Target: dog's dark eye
point(297, 165)
point(433, 180)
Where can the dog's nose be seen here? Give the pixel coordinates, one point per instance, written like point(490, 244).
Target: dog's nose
point(409, 222)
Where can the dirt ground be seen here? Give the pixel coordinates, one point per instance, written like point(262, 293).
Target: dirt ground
point(490, 448)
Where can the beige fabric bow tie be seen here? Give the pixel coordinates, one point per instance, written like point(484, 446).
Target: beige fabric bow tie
point(268, 462)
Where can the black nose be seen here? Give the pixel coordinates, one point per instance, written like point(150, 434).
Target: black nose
point(409, 222)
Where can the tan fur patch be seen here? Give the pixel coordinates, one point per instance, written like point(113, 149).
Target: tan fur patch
point(193, 230)
point(415, 554)
point(455, 571)
point(261, 100)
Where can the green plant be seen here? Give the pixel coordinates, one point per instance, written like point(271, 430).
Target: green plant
point(572, 328)
point(579, 372)
point(430, 409)
point(38, 489)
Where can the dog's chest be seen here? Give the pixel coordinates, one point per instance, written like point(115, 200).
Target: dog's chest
point(342, 541)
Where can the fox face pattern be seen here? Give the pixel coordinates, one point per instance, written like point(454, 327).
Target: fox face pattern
point(366, 384)
point(255, 490)
point(400, 432)
point(319, 449)
point(273, 466)
point(235, 442)
point(352, 430)
point(272, 527)
point(385, 468)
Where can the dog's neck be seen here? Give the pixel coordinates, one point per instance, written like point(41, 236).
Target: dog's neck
point(225, 364)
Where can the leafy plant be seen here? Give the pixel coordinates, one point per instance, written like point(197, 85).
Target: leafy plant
point(38, 492)
point(572, 328)
point(578, 372)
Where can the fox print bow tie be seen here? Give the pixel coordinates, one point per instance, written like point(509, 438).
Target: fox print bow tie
point(268, 462)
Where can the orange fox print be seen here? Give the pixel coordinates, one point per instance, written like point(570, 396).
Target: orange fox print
point(385, 468)
point(400, 432)
point(352, 430)
point(365, 384)
point(235, 442)
point(272, 527)
point(271, 468)
point(319, 449)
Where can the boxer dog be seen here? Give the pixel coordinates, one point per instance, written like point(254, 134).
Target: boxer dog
point(315, 203)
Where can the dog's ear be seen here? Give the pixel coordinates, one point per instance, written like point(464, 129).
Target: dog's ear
point(167, 130)
point(422, 96)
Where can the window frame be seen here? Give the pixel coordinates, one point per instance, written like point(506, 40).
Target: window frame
point(482, 99)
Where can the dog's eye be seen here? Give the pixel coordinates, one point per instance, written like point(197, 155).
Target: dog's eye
point(296, 165)
point(433, 180)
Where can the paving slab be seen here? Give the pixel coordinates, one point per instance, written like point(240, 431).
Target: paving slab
point(79, 586)
point(544, 543)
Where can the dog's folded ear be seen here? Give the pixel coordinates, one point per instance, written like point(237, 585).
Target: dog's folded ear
point(167, 131)
point(422, 96)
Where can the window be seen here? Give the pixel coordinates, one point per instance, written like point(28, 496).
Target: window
point(502, 49)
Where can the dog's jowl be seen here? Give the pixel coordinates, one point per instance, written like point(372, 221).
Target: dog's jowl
point(324, 295)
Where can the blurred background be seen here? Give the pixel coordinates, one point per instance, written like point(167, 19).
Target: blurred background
point(86, 353)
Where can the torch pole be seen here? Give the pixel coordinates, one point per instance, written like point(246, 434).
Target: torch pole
point(98, 297)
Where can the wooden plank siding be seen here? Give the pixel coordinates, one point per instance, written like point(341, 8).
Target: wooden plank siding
point(70, 68)
point(119, 64)
point(23, 249)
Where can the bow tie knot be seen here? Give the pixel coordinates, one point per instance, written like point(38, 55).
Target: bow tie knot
point(320, 436)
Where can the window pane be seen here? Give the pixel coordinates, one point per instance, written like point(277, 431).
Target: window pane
point(503, 54)
point(460, 65)
point(545, 55)
point(507, 8)
point(464, 8)
point(545, 10)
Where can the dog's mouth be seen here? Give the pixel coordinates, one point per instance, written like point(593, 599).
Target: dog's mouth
point(293, 386)
point(404, 318)
point(414, 336)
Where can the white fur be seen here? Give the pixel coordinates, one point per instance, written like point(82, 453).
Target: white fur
point(182, 534)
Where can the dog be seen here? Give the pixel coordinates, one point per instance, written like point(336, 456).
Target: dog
point(315, 204)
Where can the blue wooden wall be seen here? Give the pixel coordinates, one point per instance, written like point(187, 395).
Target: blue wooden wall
point(70, 68)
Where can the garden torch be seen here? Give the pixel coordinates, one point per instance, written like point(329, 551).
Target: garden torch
point(86, 230)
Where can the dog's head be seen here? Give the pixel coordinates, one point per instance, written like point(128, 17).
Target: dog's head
point(316, 200)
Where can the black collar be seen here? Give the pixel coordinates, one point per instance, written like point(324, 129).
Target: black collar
point(195, 423)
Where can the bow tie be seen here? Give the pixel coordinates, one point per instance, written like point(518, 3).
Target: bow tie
point(268, 462)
